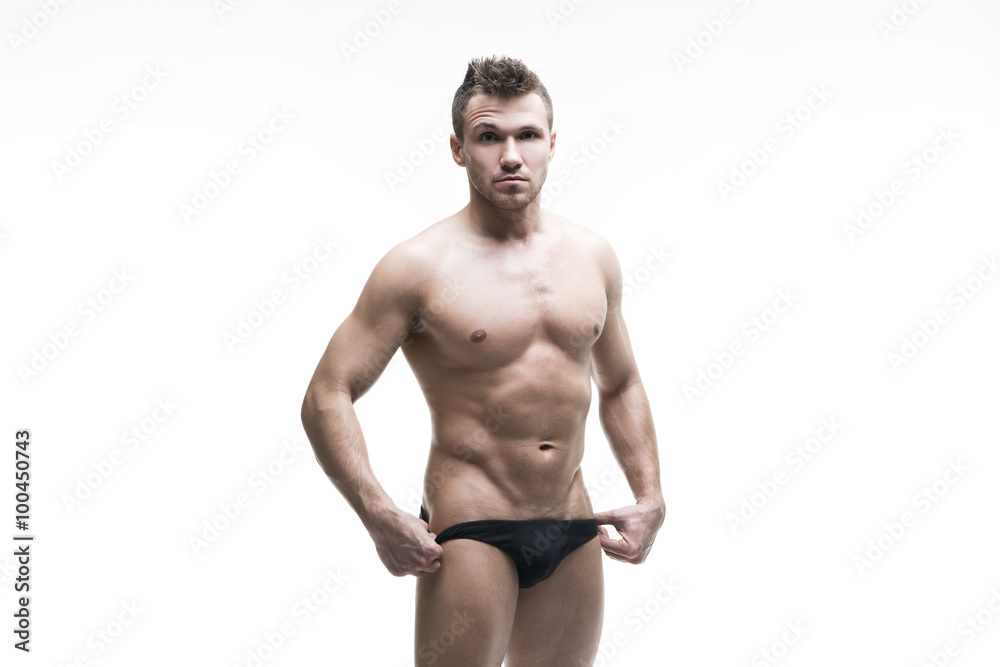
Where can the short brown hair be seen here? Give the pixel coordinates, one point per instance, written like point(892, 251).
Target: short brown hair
point(501, 77)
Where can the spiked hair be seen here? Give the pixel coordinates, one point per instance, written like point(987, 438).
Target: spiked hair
point(501, 77)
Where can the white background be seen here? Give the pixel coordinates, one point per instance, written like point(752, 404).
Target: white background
point(683, 127)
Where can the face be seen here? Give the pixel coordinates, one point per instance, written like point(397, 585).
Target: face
point(507, 148)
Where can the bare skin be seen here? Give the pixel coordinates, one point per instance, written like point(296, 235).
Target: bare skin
point(506, 314)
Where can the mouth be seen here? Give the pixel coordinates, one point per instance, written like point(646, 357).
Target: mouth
point(512, 179)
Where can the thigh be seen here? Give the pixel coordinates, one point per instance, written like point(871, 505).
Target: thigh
point(465, 610)
point(558, 621)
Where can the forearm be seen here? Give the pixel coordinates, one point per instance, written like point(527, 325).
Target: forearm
point(334, 431)
point(628, 425)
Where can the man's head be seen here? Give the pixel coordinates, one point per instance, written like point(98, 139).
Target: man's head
point(502, 116)
point(505, 78)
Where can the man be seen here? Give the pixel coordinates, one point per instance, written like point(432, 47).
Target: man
point(504, 313)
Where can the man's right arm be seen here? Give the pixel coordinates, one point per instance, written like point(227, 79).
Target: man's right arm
point(356, 356)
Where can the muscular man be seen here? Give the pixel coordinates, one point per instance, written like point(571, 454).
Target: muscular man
point(505, 313)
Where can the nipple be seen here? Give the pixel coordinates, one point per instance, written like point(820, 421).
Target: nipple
point(478, 336)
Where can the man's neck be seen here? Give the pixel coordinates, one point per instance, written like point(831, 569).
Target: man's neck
point(504, 224)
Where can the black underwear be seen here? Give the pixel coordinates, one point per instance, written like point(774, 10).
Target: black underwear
point(536, 546)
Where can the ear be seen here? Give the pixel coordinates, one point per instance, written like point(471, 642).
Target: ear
point(552, 146)
point(457, 154)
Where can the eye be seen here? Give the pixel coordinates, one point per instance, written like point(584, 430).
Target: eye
point(486, 136)
point(531, 135)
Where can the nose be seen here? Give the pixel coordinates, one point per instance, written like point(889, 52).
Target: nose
point(511, 157)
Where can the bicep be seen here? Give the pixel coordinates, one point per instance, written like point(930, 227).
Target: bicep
point(363, 344)
point(613, 364)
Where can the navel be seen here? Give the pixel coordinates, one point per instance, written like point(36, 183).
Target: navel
point(477, 336)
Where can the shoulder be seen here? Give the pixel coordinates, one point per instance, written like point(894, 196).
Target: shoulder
point(407, 266)
point(593, 245)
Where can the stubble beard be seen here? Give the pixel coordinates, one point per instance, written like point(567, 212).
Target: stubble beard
point(508, 202)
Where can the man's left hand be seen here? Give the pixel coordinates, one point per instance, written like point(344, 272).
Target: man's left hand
point(637, 524)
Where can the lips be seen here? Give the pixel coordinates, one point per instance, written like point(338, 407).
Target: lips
point(507, 180)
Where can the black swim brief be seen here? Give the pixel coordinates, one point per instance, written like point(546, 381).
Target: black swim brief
point(536, 546)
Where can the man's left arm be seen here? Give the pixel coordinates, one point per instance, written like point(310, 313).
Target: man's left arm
point(628, 424)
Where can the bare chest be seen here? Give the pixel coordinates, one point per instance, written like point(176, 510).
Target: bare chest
point(485, 311)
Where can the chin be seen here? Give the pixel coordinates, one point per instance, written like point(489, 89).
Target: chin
point(512, 203)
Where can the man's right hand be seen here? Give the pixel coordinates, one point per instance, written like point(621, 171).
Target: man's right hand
point(405, 546)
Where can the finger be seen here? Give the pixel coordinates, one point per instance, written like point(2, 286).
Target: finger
point(622, 557)
point(623, 533)
point(614, 556)
point(432, 566)
point(611, 545)
point(622, 547)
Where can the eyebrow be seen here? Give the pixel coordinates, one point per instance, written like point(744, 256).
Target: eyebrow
point(490, 126)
